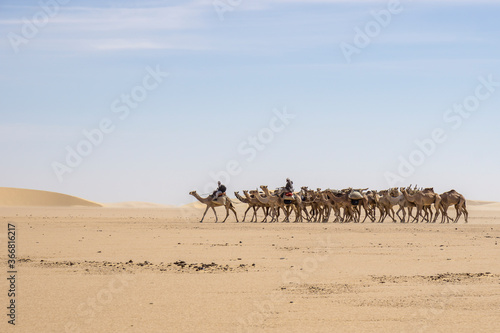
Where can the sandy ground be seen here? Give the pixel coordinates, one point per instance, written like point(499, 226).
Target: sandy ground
point(131, 269)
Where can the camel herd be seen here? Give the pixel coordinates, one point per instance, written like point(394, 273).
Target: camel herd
point(407, 205)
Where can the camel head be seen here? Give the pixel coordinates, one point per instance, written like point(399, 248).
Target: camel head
point(263, 187)
point(192, 192)
point(394, 192)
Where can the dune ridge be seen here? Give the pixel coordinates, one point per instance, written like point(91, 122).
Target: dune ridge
point(25, 197)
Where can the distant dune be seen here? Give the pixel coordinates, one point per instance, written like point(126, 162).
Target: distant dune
point(195, 204)
point(480, 203)
point(23, 197)
point(136, 204)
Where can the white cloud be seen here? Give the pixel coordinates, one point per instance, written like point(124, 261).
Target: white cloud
point(114, 28)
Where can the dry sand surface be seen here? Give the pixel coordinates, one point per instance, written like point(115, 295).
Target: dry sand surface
point(137, 267)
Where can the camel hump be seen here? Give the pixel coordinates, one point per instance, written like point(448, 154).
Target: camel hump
point(355, 195)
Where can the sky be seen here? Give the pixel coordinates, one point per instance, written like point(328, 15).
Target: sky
point(148, 100)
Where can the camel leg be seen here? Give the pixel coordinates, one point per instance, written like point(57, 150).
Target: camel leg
point(393, 215)
point(366, 215)
point(448, 218)
point(307, 214)
point(266, 214)
point(444, 214)
point(235, 215)
point(436, 215)
point(461, 208)
point(466, 213)
point(459, 212)
point(403, 211)
point(410, 215)
point(276, 214)
point(295, 209)
point(216, 218)
point(204, 214)
point(255, 210)
point(427, 211)
point(365, 207)
point(288, 212)
point(227, 214)
point(415, 218)
point(244, 216)
point(382, 215)
point(272, 214)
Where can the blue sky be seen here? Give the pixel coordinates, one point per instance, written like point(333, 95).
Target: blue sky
point(353, 120)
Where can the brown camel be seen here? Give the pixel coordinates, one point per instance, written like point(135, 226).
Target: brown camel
point(274, 202)
point(340, 199)
point(221, 201)
point(385, 204)
point(269, 201)
point(423, 200)
point(448, 199)
point(245, 200)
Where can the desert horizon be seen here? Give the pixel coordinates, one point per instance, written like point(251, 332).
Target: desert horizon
point(10, 196)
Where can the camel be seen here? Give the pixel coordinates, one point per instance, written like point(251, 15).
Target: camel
point(307, 201)
point(252, 195)
point(269, 199)
point(317, 205)
point(340, 199)
point(450, 198)
point(250, 204)
point(252, 200)
point(221, 201)
point(289, 204)
point(402, 203)
point(385, 203)
point(372, 204)
point(423, 199)
point(363, 202)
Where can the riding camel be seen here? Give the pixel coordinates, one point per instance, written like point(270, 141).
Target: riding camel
point(221, 201)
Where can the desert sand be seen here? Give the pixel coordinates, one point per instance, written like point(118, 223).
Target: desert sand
point(139, 267)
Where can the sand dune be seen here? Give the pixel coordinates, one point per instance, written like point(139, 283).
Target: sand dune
point(136, 204)
point(24, 197)
point(480, 203)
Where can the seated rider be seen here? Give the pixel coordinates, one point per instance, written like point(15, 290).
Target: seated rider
point(221, 189)
point(289, 185)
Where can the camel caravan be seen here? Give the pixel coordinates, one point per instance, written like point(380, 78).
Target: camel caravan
point(406, 205)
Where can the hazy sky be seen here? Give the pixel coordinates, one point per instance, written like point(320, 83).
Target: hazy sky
point(329, 93)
